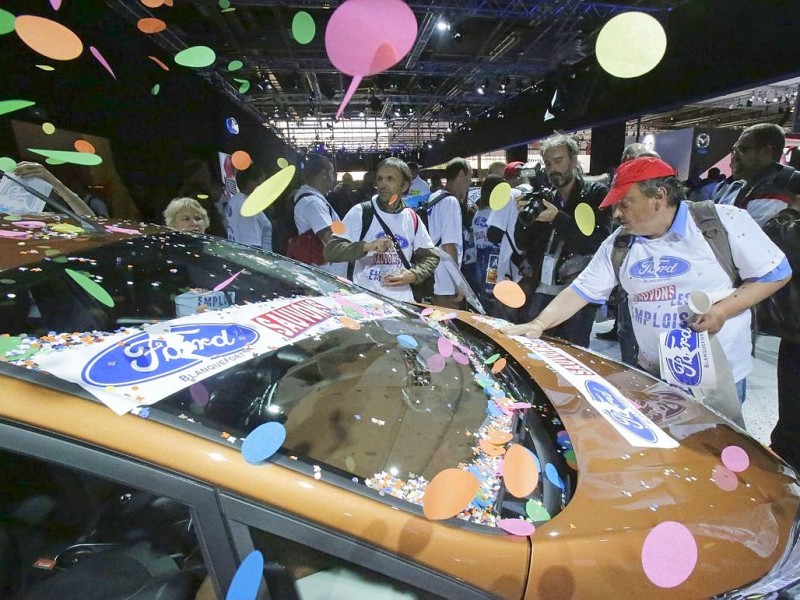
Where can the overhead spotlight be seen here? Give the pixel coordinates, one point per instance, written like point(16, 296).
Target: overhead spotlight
point(362, 114)
point(481, 89)
point(443, 25)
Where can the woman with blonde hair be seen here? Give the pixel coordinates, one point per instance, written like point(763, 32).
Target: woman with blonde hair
point(186, 214)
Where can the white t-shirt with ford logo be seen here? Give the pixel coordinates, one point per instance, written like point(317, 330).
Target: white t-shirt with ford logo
point(658, 275)
point(370, 270)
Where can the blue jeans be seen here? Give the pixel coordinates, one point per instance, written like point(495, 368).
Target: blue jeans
point(741, 389)
point(577, 329)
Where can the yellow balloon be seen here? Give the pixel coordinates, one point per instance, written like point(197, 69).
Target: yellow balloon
point(500, 196)
point(631, 44)
point(266, 193)
point(584, 218)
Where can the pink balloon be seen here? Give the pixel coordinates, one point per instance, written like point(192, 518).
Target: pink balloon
point(436, 363)
point(227, 282)
point(386, 30)
point(735, 458)
point(14, 234)
point(445, 346)
point(460, 358)
point(115, 229)
point(30, 224)
point(56, 4)
point(96, 53)
point(669, 554)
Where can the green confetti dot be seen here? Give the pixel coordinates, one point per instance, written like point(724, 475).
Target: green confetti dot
point(155, 89)
point(6, 22)
point(235, 65)
point(7, 106)
point(303, 27)
point(46, 67)
point(74, 158)
point(492, 359)
point(227, 10)
point(536, 512)
point(12, 218)
point(8, 343)
point(223, 4)
point(244, 85)
point(48, 128)
point(196, 57)
point(54, 161)
point(7, 164)
point(61, 259)
point(52, 252)
point(91, 287)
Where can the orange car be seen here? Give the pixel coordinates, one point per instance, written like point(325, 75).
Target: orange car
point(186, 417)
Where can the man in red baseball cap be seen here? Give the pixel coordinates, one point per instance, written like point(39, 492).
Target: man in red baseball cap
point(512, 172)
point(667, 258)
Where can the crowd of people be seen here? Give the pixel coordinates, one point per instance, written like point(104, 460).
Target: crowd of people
point(635, 240)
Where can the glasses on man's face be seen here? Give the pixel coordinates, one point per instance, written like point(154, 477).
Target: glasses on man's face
point(742, 149)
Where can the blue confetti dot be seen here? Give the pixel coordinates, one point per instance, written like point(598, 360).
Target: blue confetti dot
point(406, 341)
point(552, 475)
point(263, 442)
point(247, 578)
point(493, 410)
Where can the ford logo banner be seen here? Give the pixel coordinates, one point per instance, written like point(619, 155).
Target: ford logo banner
point(663, 268)
point(401, 241)
point(144, 357)
point(682, 355)
point(620, 411)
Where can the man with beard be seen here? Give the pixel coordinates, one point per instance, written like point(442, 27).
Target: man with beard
point(552, 239)
point(378, 230)
point(759, 183)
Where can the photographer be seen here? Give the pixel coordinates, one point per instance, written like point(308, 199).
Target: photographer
point(547, 231)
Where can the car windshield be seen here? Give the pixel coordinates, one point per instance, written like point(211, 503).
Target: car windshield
point(226, 338)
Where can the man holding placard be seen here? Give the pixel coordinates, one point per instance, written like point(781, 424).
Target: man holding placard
point(667, 257)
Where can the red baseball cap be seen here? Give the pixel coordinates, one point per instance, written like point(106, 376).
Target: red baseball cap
point(513, 169)
point(634, 171)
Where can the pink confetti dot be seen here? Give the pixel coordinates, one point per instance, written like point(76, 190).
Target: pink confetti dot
point(460, 358)
point(516, 527)
point(724, 478)
point(669, 554)
point(436, 363)
point(735, 458)
point(445, 346)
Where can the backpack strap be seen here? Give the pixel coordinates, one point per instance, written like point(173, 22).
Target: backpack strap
point(428, 205)
point(622, 244)
point(367, 214)
point(414, 218)
point(707, 220)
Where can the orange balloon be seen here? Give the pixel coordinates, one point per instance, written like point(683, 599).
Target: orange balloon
point(350, 323)
point(449, 493)
point(509, 293)
point(491, 449)
point(48, 38)
point(337, 228)
point(241, 160)
point(499, 365)
point(519, 471)
point(84, 146)
point(151, 25)
point(495, 436)
point(152, 3)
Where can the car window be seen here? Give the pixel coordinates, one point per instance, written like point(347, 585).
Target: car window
point(67, 534)
point(320, 576)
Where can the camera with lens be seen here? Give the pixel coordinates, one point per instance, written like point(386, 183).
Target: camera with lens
point(534, 204)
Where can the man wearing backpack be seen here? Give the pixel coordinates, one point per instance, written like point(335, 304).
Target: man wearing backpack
point(386, 242)
point(442, 214)
point(667, 256)
point(313, 215)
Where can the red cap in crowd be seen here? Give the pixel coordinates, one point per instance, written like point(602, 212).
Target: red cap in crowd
point(634, 171)
point(512, 169)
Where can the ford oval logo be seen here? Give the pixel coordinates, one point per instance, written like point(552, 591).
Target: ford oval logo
point(401, 241)
point(144, 358)
point(682, 355)
point(481, 221)
point(666, 267)
point(620, 411)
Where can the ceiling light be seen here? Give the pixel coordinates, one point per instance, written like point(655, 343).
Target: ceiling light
point(481, 89)
point(443, 25)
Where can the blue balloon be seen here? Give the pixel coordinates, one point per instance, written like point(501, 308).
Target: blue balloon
point(263, 442)
point(406, 341)
point(247, 578)
point(551, 473)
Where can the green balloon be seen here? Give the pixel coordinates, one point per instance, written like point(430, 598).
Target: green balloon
point(235, 65)
point(7, 106)
point(536, 511)
point(6, 22)
point(91, 287)
point(196, 57)
point(7, 164)
point(223, 4)
point(155, 89)
point(303, 27)
point(244, 85)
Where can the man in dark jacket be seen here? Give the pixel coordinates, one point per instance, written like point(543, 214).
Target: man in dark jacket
point(554, 242)
point(778, 315)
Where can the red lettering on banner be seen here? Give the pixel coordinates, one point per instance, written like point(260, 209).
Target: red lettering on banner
point(293, 319)
point(657, 295)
